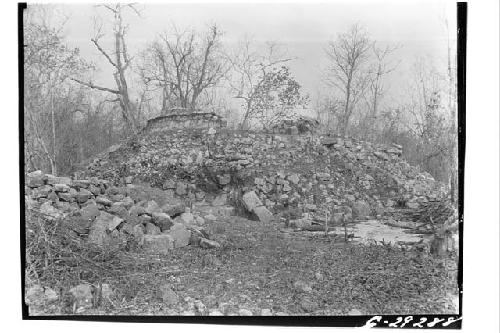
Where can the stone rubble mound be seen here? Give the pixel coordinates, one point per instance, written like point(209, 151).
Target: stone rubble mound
point(307, 173)
point(101, 213)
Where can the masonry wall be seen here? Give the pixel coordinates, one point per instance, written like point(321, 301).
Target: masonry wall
point(196, 120)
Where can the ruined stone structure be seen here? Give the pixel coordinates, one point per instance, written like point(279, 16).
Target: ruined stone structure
point(182, 119)
point(300, 125)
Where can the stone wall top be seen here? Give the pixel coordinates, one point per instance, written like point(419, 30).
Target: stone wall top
point(184, 119)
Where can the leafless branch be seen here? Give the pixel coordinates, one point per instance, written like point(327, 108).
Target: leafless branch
point(93, 86)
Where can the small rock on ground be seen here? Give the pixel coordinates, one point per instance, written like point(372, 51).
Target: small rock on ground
point(355, 312)
point(266, 312)
point(245, 312)
point(215, 313)
point(168, 296)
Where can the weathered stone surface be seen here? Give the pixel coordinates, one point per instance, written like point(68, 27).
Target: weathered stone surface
point(168, 296)
point(35, 179)
point(300, 223)
point(263, 214)
point(308, 305)
point(82, 296)
point(158, 244)
point(337, 219)
point(224, 211)
point(220, 200)
point(103, 200)
point(50, 212)
point(302, 286)
point(95, 190)
point(136, 230)
point(116, 197)
point(187, 217)
point(145, 218)
point(412, 204)
point(41, 192)
point(361, 209)
point(152, 207)
point(61, 188)
point(52, 180)
point(251, 201)
point(35, 295)
point(90, 212)
point(52, 196)
point(208, 244)
point(197, 233)
point(66, 207)
point(51, 295)
point(224, 179)
point(355, 312)
point(245, 312)
point(103, 224)
point(181, 189)
point(127, 202)
point(118, 209)
point(180, 234)
point(65, 196)
point(174, 209)
point(83, 195)
point(215, 312)
point(169, 184)
point(162, 220)
point(381, 155)
point(137, 210)
point(152, 229)
point(106, 291)
point(81, 183)
point(266, 312)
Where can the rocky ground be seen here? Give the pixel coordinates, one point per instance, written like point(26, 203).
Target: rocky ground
point(266, 269)
point(229, 223)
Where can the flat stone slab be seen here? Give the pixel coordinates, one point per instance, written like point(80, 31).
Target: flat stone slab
point(251, 201)
point(263, 214)
point(160, 244)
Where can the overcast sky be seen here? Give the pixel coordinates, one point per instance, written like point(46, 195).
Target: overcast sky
point(304, 29)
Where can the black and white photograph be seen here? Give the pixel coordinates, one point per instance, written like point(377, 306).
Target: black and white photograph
point(260, 163)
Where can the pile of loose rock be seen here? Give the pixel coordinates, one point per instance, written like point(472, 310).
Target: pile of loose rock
point(315, 174)
point(299, 125)
point(102, 213)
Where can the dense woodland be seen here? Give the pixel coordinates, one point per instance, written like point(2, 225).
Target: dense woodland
point(69, 117)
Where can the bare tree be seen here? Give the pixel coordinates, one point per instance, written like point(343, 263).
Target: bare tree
point(252, 73)
point(376, 85)
point(184, 65)
point(348, 55)
point(119, 59)
point(48, 63)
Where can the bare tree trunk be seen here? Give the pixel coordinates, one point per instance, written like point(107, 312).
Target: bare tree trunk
point(53, 165)
point(345, 119)
point(244, 123)
point(120, 63)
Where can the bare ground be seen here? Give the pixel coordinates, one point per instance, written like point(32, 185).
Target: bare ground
point(264, 266)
